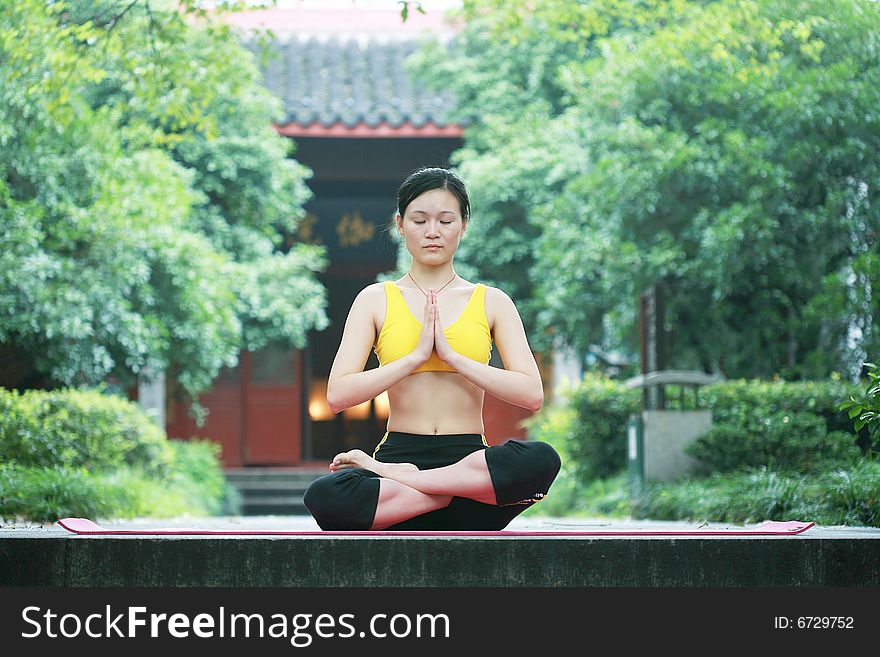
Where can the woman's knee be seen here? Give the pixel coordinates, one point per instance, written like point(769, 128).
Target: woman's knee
point(522, 470)
point(530, 457)
point(545, 458)
point(318, 498)
point(344, 500)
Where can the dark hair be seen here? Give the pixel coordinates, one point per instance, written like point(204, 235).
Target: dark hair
point(428, 178)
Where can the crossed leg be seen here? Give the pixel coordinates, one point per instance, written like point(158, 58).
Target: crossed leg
point(361, 493)
point(406, 492)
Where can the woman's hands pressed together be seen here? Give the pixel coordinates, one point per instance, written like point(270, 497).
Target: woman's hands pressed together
point(444, 350)
point(431, 338)
point(425, 346)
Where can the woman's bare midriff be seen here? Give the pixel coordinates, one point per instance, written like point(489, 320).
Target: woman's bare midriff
point(435, 403)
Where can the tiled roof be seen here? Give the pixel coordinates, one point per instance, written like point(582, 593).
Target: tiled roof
point(351, 80)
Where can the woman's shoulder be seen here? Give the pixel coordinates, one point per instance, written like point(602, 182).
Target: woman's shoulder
point(369, 296)
point(369, 304)
point(373, 289)
point(499, 306)
point(496, 294)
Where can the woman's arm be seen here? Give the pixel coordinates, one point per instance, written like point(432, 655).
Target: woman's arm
point(348, 384)
point(520, 382)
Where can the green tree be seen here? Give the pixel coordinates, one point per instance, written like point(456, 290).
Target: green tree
point(147, 208)
point(508, 72)
point(725, 151)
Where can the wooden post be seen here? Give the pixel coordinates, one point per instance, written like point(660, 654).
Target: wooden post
point(652, 348)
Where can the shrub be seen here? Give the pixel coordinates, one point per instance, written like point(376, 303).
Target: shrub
point(743, 497)
point(852, 495)
point(594, 438)
point(781, 451)
point(784, 439)
point(554, 425)
point(588, 430)
point(197, 472)
point(739, 402)
point(841, 496)
point(46, 494)
point(795, 424)
point(49, 493)
point(79, 428)
point(82, 453)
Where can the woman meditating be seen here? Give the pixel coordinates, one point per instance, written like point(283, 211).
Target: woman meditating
point(433, 469)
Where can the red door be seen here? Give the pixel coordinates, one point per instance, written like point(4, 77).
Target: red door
point(272, 407)
point(224, 421)
point(254, 411)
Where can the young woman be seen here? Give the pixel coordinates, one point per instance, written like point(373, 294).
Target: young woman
point(433, 469)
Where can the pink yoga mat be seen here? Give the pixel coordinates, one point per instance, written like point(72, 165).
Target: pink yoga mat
point(84, 526)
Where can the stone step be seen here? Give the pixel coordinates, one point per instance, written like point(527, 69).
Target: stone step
point(258, 487)
point(276, 500)
point(248, 475)
point(272, 491)
point(256, 509)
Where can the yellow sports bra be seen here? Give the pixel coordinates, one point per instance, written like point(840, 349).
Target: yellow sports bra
point(469, 335)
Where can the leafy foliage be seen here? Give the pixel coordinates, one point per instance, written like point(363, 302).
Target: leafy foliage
point(724, 151)
point(839, 496)
point(741, 401)
point(589, 428)
point(865, 411)
point(79, 428)
point(793, 429)
point(796, 441)
point(147, 208)
point(86, 453)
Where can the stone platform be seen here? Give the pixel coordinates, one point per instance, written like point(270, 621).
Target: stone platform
point(822, 556)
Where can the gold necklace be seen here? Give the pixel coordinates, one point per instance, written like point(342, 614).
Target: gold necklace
point(422, 291)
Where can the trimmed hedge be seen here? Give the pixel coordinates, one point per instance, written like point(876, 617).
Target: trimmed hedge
point(739, 401)
point(787, 425)
point(788, 440)
point(755, 423)
point(79, 429)
point(776, 450)
point(84, 453)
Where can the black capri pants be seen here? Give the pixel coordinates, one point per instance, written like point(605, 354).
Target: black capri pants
point(521, 471)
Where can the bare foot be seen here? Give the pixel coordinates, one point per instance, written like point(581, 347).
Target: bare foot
point(357, 458)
